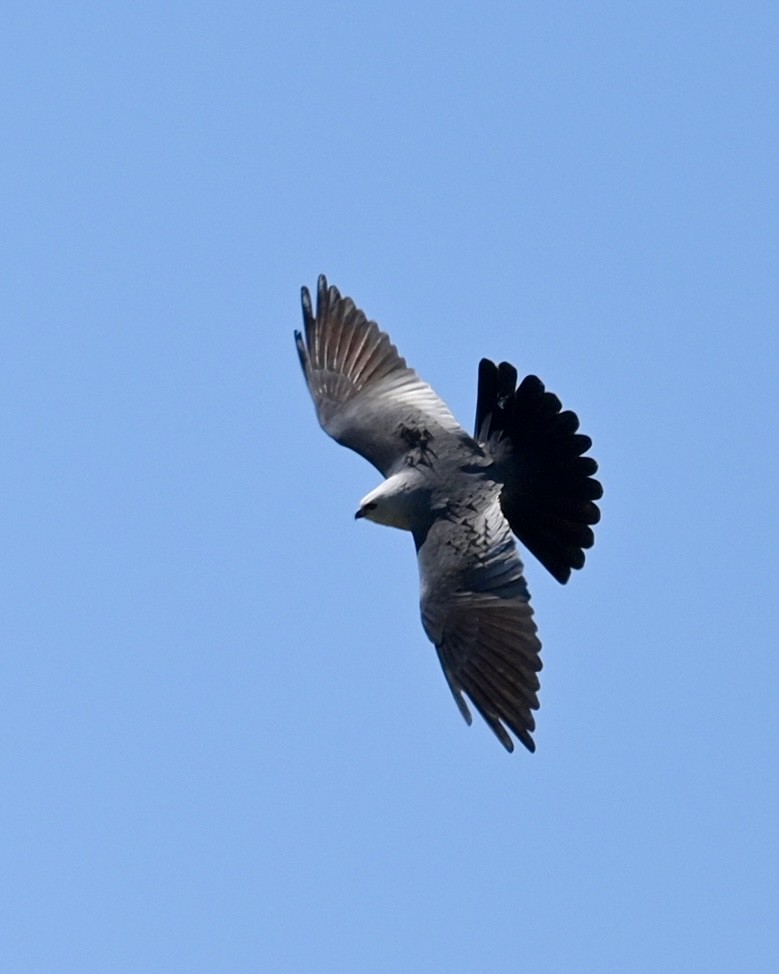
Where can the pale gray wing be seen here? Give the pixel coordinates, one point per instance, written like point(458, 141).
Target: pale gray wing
point(365, 395)
point(476, 610)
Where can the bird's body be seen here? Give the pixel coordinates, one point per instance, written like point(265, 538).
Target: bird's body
point(460, 497)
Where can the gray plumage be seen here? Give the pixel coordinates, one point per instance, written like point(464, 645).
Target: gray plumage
point(450, 489)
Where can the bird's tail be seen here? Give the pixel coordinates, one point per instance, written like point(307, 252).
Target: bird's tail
point(549, 490)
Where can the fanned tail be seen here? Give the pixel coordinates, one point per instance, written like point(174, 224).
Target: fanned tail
point(549, 491)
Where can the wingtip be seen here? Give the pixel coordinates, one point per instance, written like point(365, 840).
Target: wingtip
point(305, 303)
point(302, 352)
point(506, 742)
point(456, 692)
point(324, 295)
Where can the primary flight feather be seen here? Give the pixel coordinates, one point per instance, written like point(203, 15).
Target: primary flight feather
point(460, 497)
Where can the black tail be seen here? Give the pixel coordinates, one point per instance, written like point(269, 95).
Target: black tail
point(549, 491)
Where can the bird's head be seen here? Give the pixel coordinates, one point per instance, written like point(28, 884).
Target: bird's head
point(397, 502)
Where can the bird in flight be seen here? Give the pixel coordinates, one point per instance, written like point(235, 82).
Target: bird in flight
point(461, 497)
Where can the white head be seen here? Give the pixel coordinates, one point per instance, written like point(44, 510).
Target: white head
point(398, 502)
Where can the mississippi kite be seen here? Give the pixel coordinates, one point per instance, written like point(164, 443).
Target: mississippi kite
point(461, 497)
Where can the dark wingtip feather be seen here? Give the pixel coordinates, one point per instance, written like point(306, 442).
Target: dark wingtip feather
point(302, 353)
point(326, 296)
point(321, 294)
point(305, 303)
point(309, 322)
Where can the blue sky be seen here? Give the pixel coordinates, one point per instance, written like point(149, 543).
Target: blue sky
point(226, 743)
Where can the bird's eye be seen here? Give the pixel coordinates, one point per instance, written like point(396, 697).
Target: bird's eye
point(370, 506)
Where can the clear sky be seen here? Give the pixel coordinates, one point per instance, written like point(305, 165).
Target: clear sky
point(225, 741)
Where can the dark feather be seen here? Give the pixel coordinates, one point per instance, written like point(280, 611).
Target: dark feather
point(549, 488)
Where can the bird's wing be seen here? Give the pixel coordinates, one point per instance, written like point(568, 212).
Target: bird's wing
point(549, 490)
point(476, 610)
point(365, 395)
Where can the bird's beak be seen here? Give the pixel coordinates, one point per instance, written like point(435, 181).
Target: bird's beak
point(359, 514)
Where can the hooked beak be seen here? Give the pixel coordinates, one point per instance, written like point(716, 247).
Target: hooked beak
point(359, 514)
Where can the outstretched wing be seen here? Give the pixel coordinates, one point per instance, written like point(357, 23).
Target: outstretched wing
point(476, 610)
point(366, 397)
point(549, 491)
